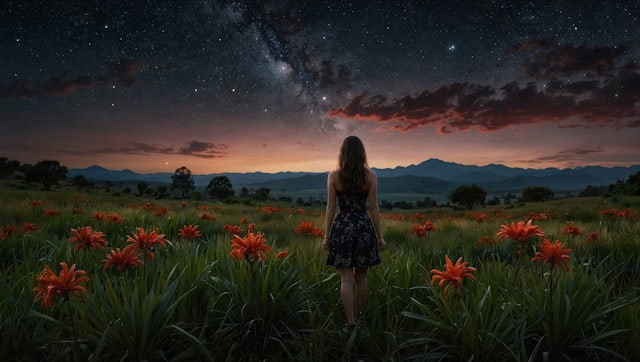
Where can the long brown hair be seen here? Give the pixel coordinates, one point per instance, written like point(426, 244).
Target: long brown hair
point(352, 164)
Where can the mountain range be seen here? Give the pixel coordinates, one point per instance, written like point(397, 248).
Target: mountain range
point(430, 176)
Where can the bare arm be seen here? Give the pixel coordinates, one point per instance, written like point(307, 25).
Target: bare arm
point(374, 210)
point(331, 210)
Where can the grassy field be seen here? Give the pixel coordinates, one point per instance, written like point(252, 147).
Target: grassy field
point(190, 300)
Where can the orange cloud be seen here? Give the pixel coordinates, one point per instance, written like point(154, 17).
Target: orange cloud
point(608, 96)
point(192, 148)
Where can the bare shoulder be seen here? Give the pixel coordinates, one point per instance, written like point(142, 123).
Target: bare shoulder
point(372, 178)
point(332, 178)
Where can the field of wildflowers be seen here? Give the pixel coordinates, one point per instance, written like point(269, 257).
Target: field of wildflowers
point(99, 277)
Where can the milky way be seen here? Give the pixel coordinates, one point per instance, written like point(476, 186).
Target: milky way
point(275, 85)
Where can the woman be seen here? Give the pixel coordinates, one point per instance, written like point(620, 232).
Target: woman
point(353, 237)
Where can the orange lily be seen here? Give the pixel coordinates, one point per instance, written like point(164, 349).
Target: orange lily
point(122, 259)
point(145, 242)
point(252, 247)
point(232, 229)
point(85, 237)
point(519, 231)
point(305, 227)
point(51, 285)
point(189, 232)
point(571, 230)
point(553, 254)
point(453, 274)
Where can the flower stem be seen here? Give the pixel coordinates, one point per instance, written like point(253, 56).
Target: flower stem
point(515, 274)
point(75, 348)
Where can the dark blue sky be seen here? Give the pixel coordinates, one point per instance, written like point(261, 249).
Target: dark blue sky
point(276, 85)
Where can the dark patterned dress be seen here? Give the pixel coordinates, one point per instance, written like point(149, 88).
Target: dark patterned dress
point(353, 240)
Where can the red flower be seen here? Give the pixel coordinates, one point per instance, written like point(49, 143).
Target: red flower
point(98, 215)
point(51, 285)
point(452, 274)
point(114, 218)
point(270, 210)
point(252, 247)
point(571, 230)
point(519, 231)
point(307, 228)
point(282, 254)
point(183, 204)
point(207, 216)
point(85, 237)
point(233, 229)
point(161, 211)
point(421, 230)
point(593, 236)
point(122, 259)
point(28, 226)
point(480, 217)
point(626, 213)
point(50, 212)
point(8, 230)
point(429, 226)
point(317, 232)
point(485, 240)
point(189, 232)
point(35, 202)
point(304, 227)
point(145, 242)
point(244, 220)
point(552, 254)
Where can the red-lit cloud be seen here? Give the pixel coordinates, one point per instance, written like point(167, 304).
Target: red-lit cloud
point(578, 86)
point(192, 148)
point(120, 73)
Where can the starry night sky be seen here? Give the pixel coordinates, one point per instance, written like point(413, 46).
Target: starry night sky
point(243, 86)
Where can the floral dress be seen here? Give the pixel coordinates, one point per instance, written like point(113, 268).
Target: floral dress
point(353, 240)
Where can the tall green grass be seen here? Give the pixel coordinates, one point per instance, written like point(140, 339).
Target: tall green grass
point(193, 302)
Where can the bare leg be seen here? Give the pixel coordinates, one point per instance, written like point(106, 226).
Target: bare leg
point(361, 289)
point(347, 294)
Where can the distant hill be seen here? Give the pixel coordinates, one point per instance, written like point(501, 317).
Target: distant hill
point(430, 176)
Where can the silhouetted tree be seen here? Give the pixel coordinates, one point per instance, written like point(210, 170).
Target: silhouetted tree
point(468, 196)
point(591, 191)
point(161, 192)
point(220, 188)
point(47, 172)
point(182, 181)
point(7, 168)
point(262, 194)
point(80, 181)
point(536, 194)
point(426, 202)
point(143, 188)
point(629, 187)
